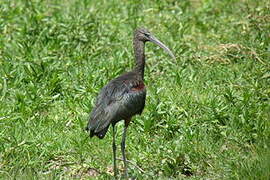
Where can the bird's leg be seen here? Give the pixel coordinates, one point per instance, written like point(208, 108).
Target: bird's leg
point(114, 153)
point(123, 146)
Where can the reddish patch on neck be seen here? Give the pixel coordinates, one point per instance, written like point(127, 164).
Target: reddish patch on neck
point(139, 87)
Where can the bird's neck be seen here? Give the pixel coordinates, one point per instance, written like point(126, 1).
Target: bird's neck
point(139, 57)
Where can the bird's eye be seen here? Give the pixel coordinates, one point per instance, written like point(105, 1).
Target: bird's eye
point(147, 34)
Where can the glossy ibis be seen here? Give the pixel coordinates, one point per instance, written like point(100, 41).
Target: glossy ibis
point(123, 97)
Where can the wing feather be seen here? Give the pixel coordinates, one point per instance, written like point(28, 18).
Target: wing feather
point(111, 103)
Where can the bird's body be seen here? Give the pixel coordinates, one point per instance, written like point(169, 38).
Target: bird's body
point(123, 97)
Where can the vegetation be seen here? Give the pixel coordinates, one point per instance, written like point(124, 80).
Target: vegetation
point(207, 112)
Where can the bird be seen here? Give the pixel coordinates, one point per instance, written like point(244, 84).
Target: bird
point(123, 97)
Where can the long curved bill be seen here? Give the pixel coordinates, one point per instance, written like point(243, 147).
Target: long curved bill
point(160, 44)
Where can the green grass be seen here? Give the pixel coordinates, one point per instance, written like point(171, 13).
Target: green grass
point(207, 113)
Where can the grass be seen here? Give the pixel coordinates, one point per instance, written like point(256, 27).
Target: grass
point(207, 113)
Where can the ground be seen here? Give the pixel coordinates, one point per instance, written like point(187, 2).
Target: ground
point(207, 112)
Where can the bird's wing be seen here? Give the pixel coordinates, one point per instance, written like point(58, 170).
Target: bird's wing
point(106, 105)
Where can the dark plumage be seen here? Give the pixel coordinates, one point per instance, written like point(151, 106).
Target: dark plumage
point(120, 99)
point(123, 97)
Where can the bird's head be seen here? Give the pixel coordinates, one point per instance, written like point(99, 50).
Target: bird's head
point(144, 35)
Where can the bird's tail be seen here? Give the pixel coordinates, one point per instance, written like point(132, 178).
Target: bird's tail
point(100, 134)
